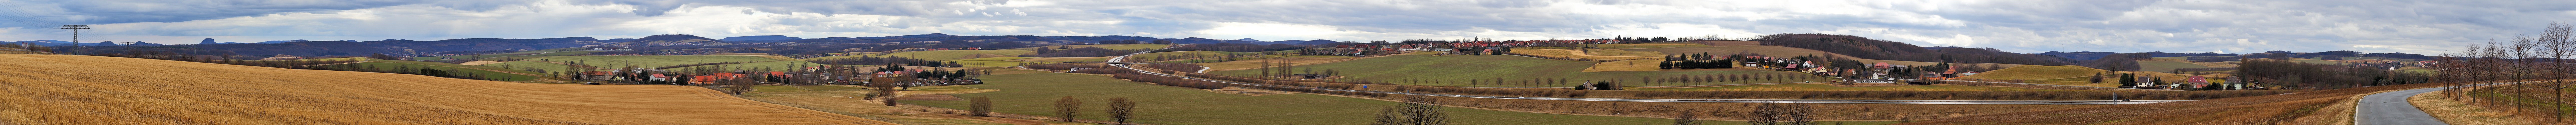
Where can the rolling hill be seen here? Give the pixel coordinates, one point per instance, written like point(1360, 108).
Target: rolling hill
point(63, 89)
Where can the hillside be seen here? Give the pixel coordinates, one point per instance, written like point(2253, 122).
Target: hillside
point(92, 90)
point(939, 55)
point(2036, 72)
point(1515, 71)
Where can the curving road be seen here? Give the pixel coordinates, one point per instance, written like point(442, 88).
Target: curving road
point(2391, 108)
point(2038, 102)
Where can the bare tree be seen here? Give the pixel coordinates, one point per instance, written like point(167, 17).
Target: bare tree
point(1067, 107)
point(982, 106)
point(1781, 114)
point(1120, 109)
point(1686, 118)
point(1386, 116)
point(1419, 110)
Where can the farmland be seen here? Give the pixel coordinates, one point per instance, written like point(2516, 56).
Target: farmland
point(653, 61)
point(1459, 70)
point(941, 55)
point(1015, 61)
point(514, 55)
point(1823, 87)
point(1032, 94)
point(141, 91)
point(1250, 64)
point(1777, 51)
point(764, 66)
point(1645, 45)
point(1103, 46)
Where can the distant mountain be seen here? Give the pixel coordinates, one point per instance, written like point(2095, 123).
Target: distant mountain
point(282, 41)
point(758, 38)
point(1249, 39)
point(141, 43)
point(2086, 55)
point(209, 41)
point(671, 39)
point(105, 43)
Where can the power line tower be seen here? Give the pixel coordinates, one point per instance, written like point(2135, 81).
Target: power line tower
point(75, 38)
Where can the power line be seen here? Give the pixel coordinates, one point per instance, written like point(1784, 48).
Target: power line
point(75, 37)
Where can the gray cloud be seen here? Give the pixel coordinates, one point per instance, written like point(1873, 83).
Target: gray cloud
point(2235, 26)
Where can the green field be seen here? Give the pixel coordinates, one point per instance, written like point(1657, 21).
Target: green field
point(390, 66)
point(1823, 87)
point(1458, 70)
point(940, 55)
point(2037, 72)
point(1015, 61)
point(653, 61)
point(2165, 66)
point(529, 65)
point(1035, 94)
point(517, 55)
point(762, 66)
point(1103, 46)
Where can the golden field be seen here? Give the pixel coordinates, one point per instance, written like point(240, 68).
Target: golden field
point(65, 89)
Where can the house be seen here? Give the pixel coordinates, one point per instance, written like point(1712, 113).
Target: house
point(659, 77)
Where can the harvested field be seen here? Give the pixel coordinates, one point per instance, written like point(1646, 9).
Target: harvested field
point(85, 90)
point(1031, 94)
point(2303, 108)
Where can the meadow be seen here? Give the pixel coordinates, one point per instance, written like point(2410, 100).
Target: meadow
point(1459, 70)
point(88, 90)
point(940, 55)
point(654, 61)
point(1034, 94)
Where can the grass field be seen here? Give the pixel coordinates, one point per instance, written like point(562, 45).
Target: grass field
point(764, 66)
point(2165, 66)
point(529, 64)
point(1572, 54)
point(520, 54)
point(1034, 94)
point(1015, 61)
point(1457, 70)
point(1622, 52)
point(1250, 64)
point(2036, 72)
point(1823, 87)
point(1628, 65)
point(941, 55)
point(1777, 51)
point(451, 70)
point(1103, 46)
point(64, 89)
point(1645, 45)
point(653, 61)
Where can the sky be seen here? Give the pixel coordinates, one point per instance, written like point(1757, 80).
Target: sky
point(2026, 26)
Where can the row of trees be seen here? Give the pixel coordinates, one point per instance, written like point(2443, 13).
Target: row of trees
point(2535, 68)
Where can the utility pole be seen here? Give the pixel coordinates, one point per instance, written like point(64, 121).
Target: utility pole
point(75, 38)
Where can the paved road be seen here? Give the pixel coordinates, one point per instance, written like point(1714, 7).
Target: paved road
point(2041, 102)
point(2391, 108)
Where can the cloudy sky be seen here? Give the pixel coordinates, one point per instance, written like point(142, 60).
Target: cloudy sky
point(2029, 26)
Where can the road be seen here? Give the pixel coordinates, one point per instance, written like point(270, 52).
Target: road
point(2038, 102)
point(2391, 108)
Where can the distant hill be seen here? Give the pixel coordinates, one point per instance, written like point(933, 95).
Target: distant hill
point(656, 40)
point(1866, 48)
point(758, 38)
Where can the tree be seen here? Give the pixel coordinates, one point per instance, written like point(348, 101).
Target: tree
point(1120, 109)
point(1780, 114)
point(1067, 107)
point(1419, 110)
point(1686, 118)
point(981, 106)
point(433, 72)
point(1386, 115)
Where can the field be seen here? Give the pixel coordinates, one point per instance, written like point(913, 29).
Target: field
point(2303, 108)
point(1645, 45)
point(1628, 65)
point(1250, 64)
point(764, 66)
point(1823, 87)
point(653, 61)
point(498, 76)
point(1458, 70)
point(941, 55)
point(1572, 54)
point(1621, 52)
point(520, 54)
point(2165, 66)
point(1034, 94)
point(1777, 51)
point(1103, 46)
point(1015, 61)
point(2036, 72)
point(90, 90)
point(529, 65)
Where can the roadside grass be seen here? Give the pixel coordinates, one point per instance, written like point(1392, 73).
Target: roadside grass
point(2165, 66)
point(1034, 94)
point(1458, 70)
point(613, 62)
point(2462, 113)
point(1823, 87)
point(1645, 45)
point(940, 55)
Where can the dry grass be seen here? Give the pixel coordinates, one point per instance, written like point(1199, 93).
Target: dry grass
point(1646, 45)
point(1728, 43)
point(2461, 113)
point(62, 89)
point(2312, 107)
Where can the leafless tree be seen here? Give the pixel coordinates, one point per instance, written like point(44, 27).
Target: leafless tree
point(1420, 110)
point(1067, 107)
point(1121, 109)
point(1686, 118)
point(983, 106)
point(1781, 114)
point(1386, 116)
